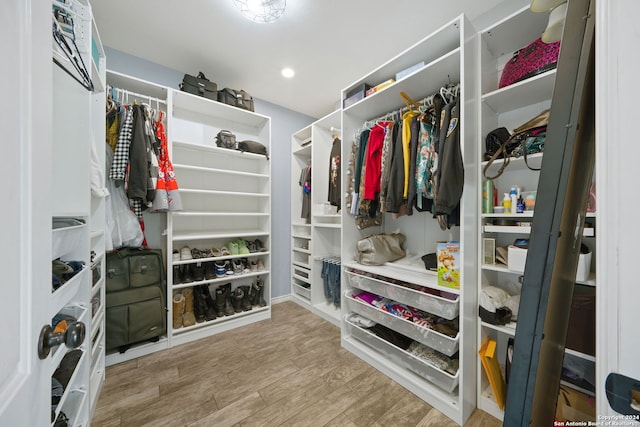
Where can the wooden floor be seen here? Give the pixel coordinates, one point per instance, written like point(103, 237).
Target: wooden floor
point(289, 370)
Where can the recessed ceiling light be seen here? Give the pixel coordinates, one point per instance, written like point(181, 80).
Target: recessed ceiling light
point(287, 72)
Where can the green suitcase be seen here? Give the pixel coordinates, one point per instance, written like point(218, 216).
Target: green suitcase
point(135, 297)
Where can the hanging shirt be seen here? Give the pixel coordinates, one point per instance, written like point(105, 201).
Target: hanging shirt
point(373, 160)
point(305, 183)
point(335, 192)
point(406, 151)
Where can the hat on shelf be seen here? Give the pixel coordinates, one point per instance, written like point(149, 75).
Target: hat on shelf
point(558, 8)
point(492, 306)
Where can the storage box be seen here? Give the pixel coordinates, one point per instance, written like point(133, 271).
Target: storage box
point(449, 264)
point(404, 73)
point(575, 406)
point(356, 94)
point(380, 87)
point(516, 259)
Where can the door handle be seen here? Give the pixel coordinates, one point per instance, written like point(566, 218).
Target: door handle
point(73, 337)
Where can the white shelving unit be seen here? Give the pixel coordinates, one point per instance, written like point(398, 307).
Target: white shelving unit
point(78, 219)
point(449, 55)
point(511, 106)
point(226, 195)
point(320, 237)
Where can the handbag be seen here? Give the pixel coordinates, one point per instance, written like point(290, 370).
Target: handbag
point(226, 139)
point(527, 138)
point(236, 98)
point(377, 249)
point(249, 146)
point(199, 85)
point(533, 59)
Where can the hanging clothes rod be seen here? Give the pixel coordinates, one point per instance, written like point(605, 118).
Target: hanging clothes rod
point(137, 95)
point(450, 90)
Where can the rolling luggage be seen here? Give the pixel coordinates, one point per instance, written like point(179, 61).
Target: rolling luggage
point(135, 297)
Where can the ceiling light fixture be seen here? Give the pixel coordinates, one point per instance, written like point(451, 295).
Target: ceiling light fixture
point(262, 11)
point(287, 72)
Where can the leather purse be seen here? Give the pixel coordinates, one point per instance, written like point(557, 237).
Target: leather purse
point(255, 147)
point(236, 98)
point(199, 85)
point(535, 58)
point(226, 139)
point(377, 249)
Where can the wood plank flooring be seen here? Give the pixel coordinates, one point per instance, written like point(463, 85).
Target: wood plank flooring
point(286, 371)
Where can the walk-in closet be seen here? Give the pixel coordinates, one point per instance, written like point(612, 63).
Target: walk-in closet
point(237, 213)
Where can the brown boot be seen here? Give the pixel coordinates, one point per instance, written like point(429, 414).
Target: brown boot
point(178, 309)
point(188, 318)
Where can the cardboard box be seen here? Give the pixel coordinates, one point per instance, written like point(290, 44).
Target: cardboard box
point(516, 258)
point(385, 84)
point(356, 94)
point(448, 254)
point(575, 406)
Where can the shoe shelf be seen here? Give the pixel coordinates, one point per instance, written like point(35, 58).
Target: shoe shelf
point(226, 195)
point(302, 289)
point(70, 397)
point(227, 278)
point(68, 291)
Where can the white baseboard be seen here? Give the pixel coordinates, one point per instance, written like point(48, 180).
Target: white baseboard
point(280, 299)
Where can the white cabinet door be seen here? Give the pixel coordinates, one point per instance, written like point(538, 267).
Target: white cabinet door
point(25, 245)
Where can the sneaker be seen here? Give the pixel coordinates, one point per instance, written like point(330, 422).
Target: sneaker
point(237, 266)
point(176, 255)
point(251, 246)
point(233, 247)
point(253, 265)
point(259, 246)
point(229, 268)
point(221, 269)
point(260, 265)
point(185, 253)
point(245, 266)
point(242, 247)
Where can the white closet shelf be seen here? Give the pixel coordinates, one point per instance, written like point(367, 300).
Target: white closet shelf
point(522, 229)
point(301, 264)
point(323, 225)
point(221, 258)
point(575, 387)
point(530, 91)
point(95, 289)
point(218, 152)
point(134, 84)
point(225, 279)
point(301, 236)
point(219, 214)
point(515, 163)
point(304, 251)
point(393, 270)
point(302, 291)
point(514, 31)
point(227, 234)
point(302, 278)
point(68, 395)
point(509, 328)
point(61, 296)
point(444, 70)
point(96, 348)
point(218, 320)
point(222, 193)
point(220, 171)
point(525, 214)
point(303, 151)
point(96, 322)
point(183, 101)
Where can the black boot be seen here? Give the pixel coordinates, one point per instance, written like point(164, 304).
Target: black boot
point(209, 304)
point(177, 275)
point(187, 274)
point(198, 271)
point(246, 300)
point(260, 293)
point(199, 304)
point(209, 270)
point(236, 300)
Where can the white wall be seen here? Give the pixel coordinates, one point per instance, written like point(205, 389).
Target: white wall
point(284, 122)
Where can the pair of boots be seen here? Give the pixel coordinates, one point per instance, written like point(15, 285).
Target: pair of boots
point(183, 314)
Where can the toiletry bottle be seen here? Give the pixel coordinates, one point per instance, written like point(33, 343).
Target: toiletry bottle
point(487, 196)
point(514, 200)
point(520, 205)
point(506, 203)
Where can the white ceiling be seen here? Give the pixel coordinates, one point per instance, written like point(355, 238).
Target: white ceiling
point(329, 43)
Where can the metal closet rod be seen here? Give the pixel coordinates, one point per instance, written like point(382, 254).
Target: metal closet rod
point(137, 95)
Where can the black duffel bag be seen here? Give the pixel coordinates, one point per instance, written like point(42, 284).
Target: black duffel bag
point(199, 85)
point(236, 98)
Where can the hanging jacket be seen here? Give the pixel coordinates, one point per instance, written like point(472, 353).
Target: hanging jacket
point(451, 165)
point(374, 159)
point(395, 188)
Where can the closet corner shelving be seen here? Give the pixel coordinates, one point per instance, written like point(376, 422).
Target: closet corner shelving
point(78, 217)
point(449, 56)
point(511, 106)
point(318, 238)
point(226, 194)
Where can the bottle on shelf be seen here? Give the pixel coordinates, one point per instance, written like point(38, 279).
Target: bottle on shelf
point(506, 203)
point(487, 196)
point(513, 196)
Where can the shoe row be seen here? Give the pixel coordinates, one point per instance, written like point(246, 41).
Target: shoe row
point(187, 273)
point(207, 302)
point(62, 271)
point(232, 247)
